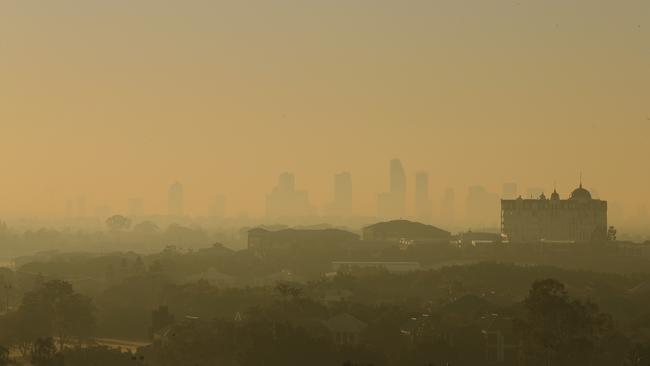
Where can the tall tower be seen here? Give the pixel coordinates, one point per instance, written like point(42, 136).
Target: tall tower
point(175, 200)
point(285, 201)
point(392, 204)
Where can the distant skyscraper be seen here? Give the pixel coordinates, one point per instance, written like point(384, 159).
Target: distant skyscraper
point(423, 204)
point(509, 191)
point(342, 203)
point(397, 179)
point(218, 207)
point(136, 207)
point(286, 201)
point(175, 200)
point(393, 203)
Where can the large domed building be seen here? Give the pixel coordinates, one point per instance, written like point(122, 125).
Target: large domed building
point(580, 218)
point(580, 194)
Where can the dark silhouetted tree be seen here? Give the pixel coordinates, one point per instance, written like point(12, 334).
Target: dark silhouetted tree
point(118, 223)
point(558, 330)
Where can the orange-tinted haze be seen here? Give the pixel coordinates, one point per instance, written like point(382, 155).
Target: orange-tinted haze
point(118, 99)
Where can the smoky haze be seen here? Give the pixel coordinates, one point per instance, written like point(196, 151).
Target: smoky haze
point(324, 183)
point(224, 98)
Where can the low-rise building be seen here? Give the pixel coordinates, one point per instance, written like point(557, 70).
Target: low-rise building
point(398, 231)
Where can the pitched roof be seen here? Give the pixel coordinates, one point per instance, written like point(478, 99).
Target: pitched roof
point(408, 228)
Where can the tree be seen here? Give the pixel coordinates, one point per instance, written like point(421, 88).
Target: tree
point(287, 290)
point(118, 223)
point(146, 227)
point(44, 353)
point(4, 356)
point(639, 356)
point(55, 309)
point(558, 330)
point(611, 233)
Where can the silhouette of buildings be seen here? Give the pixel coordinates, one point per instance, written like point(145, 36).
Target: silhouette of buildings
point(577, 219)
point(482, 207)
point(342, 203)
point(399, 231)
point(392, 204)
point(423, 204)
point(285, 200)
point(509, 191)
point(175, 200)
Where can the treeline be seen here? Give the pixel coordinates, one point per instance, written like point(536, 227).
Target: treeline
point(55, 326)
point(143, 236)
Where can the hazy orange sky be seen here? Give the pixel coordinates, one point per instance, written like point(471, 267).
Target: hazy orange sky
point(118, 99)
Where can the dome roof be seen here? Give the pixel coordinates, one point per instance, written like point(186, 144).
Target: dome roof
point(580, 194)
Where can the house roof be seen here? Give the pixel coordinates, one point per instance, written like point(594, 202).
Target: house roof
point(407, 228)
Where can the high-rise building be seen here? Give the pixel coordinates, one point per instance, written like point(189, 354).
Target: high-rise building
point(509, 191)
point(397, 179)
point(342, 203)
point(423, 204)
point(393, 203)
point(286, 201)
point(175, 200)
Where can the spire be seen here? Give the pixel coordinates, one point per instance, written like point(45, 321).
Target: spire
point(581, 179)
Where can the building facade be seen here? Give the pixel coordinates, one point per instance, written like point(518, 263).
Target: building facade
point(580, 218)
point(392, 204)
point(286, 201)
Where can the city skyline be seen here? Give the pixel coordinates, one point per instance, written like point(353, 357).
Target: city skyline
point(244, 91)
point(477, 208)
